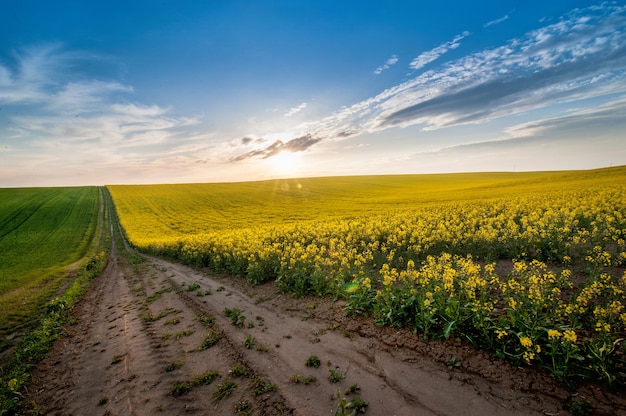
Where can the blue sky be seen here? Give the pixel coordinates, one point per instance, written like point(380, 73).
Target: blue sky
point(208, 91)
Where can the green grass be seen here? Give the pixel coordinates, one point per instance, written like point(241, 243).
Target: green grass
point(32, 348)
point(42, 232)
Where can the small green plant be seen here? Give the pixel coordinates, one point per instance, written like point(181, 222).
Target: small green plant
point(334, 376)
point(300, 379)
point(148, 317)
point(243, 407)
point(212, 338)
point(249, 342)
point(453, 363)
point(224, 390)
point(207, 320)
point(260, 386)
point(173, 321)
point(236, 316)
point(313, 361)
point(183, 387)
point(180, 388)
point(352, 408)
point(239, 371)
point(184, 333)
point(175, 365)
point(582, 408)
point(354, 389)
point(357, 405)
point(192, 287)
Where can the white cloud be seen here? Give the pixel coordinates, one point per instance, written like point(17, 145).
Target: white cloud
point(496, 21)
point(295, 109)
point(432, 55)
point(582, 56)
point(391, 61)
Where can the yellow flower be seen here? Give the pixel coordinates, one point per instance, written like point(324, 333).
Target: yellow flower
point(12, 384)
point(367, 282)
point(512, 303)
point(570, 335)
point(528, 356)
point(526, 342)
point(603, 327)
point(501, 334)
point(553, 333)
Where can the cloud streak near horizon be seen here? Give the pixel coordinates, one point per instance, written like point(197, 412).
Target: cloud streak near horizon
point(581, 56)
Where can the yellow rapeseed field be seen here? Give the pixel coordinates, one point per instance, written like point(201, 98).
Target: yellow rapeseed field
point(527, 265)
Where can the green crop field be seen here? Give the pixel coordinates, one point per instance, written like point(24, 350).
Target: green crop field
point(42, 232)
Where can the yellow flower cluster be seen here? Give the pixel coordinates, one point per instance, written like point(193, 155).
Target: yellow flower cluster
point(411, 258)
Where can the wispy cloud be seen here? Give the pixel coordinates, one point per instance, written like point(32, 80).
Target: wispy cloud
point(581, 56)
point(295, 109)
point(496, 21)
point(71, 118)
point(388, 63)
point(299, 144)
point(432, 55)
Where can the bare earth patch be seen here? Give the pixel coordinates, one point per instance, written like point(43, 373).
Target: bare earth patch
point(161, 338)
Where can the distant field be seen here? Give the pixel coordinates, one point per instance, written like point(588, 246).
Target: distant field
point(42, 231)
point(152, 213)
point(527, 265)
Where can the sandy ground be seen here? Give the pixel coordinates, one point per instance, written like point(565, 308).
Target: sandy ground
point(138, 348)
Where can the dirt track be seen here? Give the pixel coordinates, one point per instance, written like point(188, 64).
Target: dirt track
point(140, 333)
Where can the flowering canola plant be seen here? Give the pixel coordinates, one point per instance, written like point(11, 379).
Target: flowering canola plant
point(530, 266)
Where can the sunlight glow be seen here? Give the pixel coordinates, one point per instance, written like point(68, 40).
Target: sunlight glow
point(285, 163)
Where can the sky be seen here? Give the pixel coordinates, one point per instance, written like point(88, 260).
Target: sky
point(160, 91)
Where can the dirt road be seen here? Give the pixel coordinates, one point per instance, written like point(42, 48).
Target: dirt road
point(154, 337)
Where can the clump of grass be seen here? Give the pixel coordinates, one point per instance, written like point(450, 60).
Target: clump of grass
point(260, 386)
point(224, 390)
point(249, 342)
point(354, 389)
point(173, 321)
point(180, 388)
point(192, 287)
point(239, 371)
point(148, 317)
point(244, 407)
point(207, 320)
point(313, 361)
point(157, 295)
point(212, 338)
point(183, 387)
point(353, 407)
point(236, 316)
point(334, 376)
point(184, 333)
point(300, 379)
point(175, 365)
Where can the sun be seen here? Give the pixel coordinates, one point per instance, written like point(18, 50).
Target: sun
point(285, 163)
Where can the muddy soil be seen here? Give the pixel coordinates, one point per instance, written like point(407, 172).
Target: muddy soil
point(161, 338)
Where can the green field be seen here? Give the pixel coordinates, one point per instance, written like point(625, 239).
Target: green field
point(42, 232)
